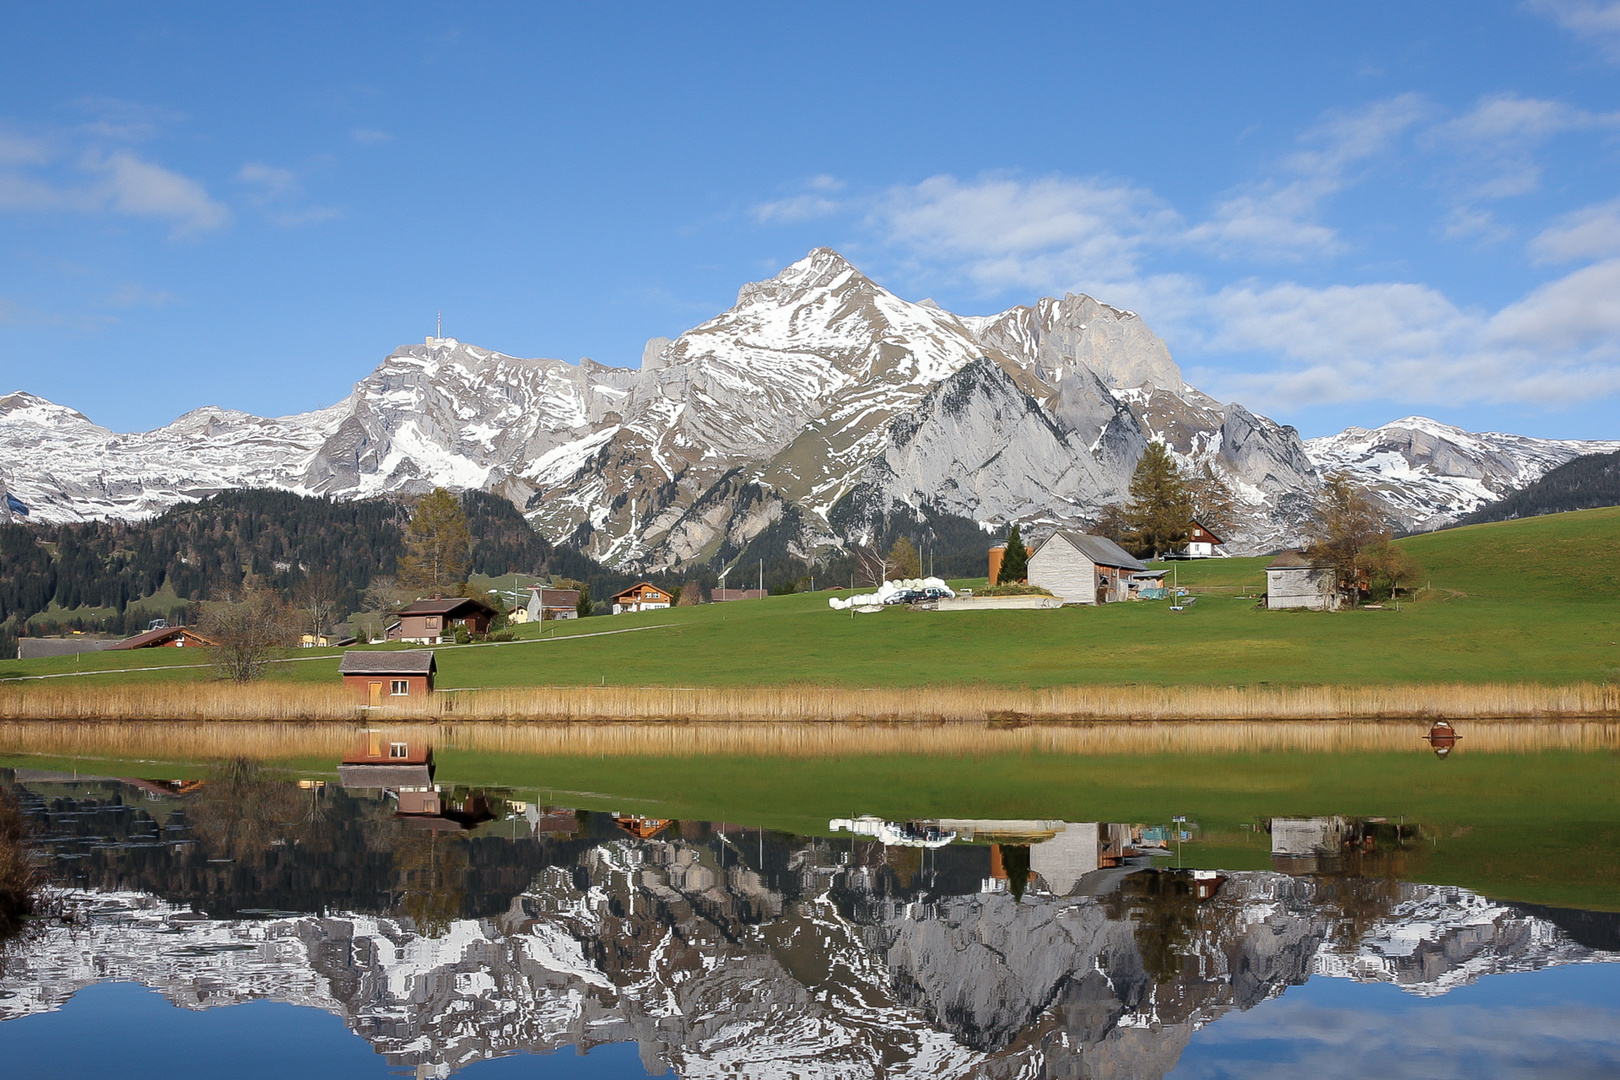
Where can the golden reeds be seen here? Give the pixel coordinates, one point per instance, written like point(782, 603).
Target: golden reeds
point(205, 740)
point(1003, 705)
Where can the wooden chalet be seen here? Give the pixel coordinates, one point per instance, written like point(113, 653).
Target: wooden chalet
point(164, 637)
point(642, 597)
point(431, 622)
point(381, 678)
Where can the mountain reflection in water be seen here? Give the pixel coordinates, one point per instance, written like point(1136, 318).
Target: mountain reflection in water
point(1018, 949)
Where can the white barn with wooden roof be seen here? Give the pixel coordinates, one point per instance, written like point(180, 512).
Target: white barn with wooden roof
point(1083, 569)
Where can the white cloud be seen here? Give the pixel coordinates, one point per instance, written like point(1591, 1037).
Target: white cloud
point(1436, 1041)
point(130, 295)
point(1490, 147)
point(1592, 232)
point(277, 191)
point(1597, 22)
point(1580, 312)
point(1277, 219)
point(795, 209)
point(370, 136)
point(817, 201)
point(119, 181)
point(1005, 232)
point(137, 187)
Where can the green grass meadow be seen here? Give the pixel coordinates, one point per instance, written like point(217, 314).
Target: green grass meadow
point(1536, 600)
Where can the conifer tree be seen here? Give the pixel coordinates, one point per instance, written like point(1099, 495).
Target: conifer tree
point(1160, 506)
point(437, 543)
point(1015, 562)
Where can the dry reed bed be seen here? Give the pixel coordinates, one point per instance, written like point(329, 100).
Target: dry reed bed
point(204, 740)
point(294, 702)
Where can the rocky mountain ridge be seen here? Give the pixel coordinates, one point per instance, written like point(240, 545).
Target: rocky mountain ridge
point(714, 972)
point(818, 403)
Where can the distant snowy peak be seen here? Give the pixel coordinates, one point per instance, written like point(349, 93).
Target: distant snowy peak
point(1431, 474)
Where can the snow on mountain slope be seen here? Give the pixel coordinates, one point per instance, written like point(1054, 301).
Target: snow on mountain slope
point(1430, 473)
point(66, 468)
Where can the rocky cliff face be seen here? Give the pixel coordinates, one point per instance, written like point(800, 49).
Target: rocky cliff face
point(818, 388)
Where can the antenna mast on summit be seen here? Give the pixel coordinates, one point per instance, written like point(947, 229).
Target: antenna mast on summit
point(440, 332)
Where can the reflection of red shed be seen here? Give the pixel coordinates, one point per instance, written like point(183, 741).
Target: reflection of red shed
point(381, 678)
point(379, 760)
point(172, 637)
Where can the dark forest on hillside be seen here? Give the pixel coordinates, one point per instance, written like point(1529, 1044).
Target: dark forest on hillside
point(1583, 484)
point(206, 550)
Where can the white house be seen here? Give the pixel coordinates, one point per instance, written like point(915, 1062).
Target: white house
point(1083, 569)
point(1201, 542)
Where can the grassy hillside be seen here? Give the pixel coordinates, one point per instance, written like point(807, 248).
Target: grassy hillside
point(1536, 600)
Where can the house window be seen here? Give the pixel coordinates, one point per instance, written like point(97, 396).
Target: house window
point(398, 750)
point(433, 624)
point(400, 688)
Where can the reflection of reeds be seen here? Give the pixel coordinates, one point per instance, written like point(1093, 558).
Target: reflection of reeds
point(201, 740)
point(1009, 706)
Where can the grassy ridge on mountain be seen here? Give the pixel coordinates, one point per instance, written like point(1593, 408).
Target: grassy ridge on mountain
point(1586, 483)
point(1534, 601)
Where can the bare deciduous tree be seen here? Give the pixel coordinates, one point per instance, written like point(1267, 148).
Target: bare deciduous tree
point(869, 564)
point(316, 599)
point(248, 631)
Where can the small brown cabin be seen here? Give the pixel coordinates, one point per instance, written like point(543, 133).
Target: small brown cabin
point(430, 622)
point(383, 678)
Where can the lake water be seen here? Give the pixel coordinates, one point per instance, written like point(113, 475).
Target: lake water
point(250, 925)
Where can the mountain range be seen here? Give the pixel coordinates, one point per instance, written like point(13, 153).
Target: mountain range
point(817, 405)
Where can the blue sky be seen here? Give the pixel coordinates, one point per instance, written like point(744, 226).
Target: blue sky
point(1337, 214)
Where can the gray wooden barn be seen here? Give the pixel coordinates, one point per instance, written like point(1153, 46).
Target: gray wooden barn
point(1295, 580)
point(1083, 569)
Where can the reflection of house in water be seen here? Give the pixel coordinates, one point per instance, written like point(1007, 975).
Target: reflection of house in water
point(917, 834)
point(381, 761)
point(551, 821)
point(403, 770)
point(1061, 852)
point(644, 828)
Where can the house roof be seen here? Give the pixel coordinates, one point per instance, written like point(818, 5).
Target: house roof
point(638, 587)
point(369, 662)
point(1295, 560)
point(1213, 535)
point(449, 605)
point(1099, 549)
point(153, 637)
point(555, 597)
